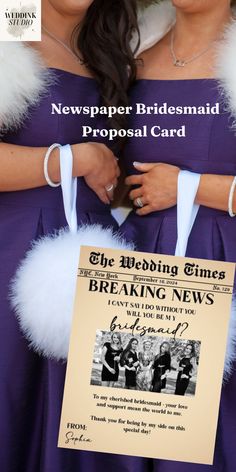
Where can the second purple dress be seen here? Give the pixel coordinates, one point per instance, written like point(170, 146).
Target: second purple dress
point(210, 148)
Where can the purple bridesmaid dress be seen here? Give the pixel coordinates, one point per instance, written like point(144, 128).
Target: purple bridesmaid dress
point(209, 147)
point(31, 387)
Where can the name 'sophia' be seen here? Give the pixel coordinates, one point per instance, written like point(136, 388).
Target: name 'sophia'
point(139, 109)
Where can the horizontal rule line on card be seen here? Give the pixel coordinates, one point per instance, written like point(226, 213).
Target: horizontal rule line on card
point(230, 287)
point(157, 285)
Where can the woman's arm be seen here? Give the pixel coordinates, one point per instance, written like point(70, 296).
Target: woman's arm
point(130, 368)
point(140, 359)
point(150, 365)
point(214, 191)
point(158, 188)
point(21, 167)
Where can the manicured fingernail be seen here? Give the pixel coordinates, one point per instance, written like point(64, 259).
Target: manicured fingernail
point(136, 163)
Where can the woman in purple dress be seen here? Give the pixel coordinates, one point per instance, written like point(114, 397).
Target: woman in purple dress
point(192, 65)
point(31, 387)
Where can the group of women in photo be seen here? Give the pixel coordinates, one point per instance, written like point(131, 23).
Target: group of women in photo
point(144, 369)
point(90, 55)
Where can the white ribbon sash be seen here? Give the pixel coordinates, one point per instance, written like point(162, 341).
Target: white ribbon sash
point(68, 186)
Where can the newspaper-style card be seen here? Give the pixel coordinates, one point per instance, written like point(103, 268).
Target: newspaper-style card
point(146, 355)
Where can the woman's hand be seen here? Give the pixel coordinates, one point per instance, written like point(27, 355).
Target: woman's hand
point(157, 187)
point(98, 165)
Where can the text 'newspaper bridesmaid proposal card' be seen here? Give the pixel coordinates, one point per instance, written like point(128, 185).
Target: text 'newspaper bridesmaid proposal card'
point(146, 356)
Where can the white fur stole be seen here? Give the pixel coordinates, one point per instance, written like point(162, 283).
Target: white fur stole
point(23, 79)
point(43, 290)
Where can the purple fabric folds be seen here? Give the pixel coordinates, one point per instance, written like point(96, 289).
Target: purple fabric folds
point(31, 387)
